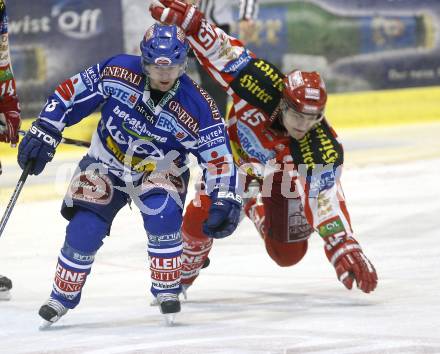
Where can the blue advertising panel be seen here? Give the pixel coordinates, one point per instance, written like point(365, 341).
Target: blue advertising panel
point(53, 39)
point(356, 45)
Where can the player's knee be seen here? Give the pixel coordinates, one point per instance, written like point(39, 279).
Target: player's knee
point(286, 254)
point(169, 218)
point(86, 230)
point(195, 215)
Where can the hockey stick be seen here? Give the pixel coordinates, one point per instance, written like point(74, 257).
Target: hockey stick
point(15, 195)
point(66, 141)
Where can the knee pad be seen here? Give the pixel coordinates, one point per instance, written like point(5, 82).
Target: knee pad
point(285, 254)
point(163, 227)
point(86, 230)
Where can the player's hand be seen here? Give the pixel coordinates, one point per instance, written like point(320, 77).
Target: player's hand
point(9, 120)
point(224, 215)
point(39, 144)
point(351, 264)
point(178, 13)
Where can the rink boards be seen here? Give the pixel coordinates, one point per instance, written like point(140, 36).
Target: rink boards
point(375, 127)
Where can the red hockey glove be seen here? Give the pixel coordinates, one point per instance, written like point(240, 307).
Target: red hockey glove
point(178, 13)
point(351, 264)
point(9, 120)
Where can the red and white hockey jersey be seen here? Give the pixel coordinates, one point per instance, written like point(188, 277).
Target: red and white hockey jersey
point(309, 168)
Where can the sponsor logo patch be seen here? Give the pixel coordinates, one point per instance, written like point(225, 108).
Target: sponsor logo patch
point(91, 187)
point(189, 122)
point(331, 227)
point(90, 77)
point(143, 109)
point(318, 148)
point(123, 74)
point(312, 94)
point(67, 89)
point(295, 80)
point(236, 65)
point(137, 128)
point(251, 144)
point(69, 282)
point(168, 123)
point(212, 136)
point(162, 61)
point(121, 93)
point(163, 180)
point(165, 271)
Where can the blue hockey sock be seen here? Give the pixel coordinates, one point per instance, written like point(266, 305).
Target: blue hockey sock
point(164, 245)
point(71, 273)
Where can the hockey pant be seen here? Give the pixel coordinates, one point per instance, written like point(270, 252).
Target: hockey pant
point(90, 223)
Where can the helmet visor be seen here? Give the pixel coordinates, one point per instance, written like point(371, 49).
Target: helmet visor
point(294, 115)
point(297, 123)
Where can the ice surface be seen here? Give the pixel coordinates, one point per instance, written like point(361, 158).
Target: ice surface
point(243, 302)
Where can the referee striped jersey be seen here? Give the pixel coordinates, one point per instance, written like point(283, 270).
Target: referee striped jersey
point(221, 12)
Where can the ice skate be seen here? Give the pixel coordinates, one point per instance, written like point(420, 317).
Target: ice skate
point(169, 306)
point(51, 312)
point(5, 287)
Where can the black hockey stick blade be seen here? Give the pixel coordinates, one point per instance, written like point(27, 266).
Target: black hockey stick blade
point(15, 196)
point(66, 141)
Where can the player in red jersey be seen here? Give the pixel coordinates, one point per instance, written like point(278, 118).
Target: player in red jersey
point(281, 137)
point(9, 111)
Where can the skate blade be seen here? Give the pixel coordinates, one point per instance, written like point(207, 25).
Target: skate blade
point(44, 325)
point(170, 319)
point(5, 295)
point(154, 302)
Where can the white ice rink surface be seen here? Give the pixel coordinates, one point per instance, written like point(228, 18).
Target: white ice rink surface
point(244, 303)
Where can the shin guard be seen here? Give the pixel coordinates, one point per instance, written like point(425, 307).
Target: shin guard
point(71, 273)
point(165, 266)
point(196, 245)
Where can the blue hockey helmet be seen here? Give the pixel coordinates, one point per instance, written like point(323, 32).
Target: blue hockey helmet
point(164, 45)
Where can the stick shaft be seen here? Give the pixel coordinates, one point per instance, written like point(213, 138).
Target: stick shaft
point(66, 141)
point(15, 196)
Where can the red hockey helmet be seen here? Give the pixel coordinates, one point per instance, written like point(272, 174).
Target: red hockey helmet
point(305, 92)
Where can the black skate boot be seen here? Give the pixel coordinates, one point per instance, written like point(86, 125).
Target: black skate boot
point(169, 306)
point(51, 312)
point(5, 286)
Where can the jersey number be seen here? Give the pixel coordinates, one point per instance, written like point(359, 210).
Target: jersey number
point(253, 117)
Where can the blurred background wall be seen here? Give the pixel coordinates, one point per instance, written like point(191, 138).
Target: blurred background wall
point(357, 45)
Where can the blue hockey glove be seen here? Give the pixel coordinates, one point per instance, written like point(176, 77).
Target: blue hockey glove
point(39, 145)
point(224, 215)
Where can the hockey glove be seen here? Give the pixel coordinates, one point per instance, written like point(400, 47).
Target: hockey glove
point(178, 13)
point(9, 120)
point(39, 145)
point(224, 215)
point(351, 264)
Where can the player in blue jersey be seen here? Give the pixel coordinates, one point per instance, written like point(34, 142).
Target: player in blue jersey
point(152, 116)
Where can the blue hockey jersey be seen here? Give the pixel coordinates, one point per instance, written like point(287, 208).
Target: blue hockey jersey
point(134, 135)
